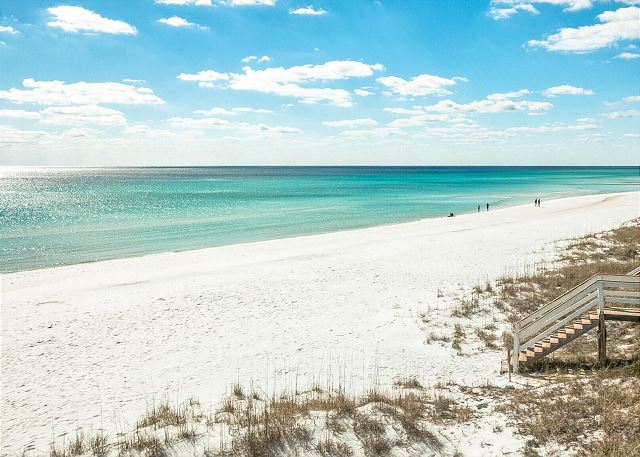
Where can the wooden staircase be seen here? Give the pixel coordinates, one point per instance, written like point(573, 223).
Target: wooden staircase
point(573, 314)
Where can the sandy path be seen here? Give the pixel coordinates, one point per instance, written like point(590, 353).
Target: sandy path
point(92, 343)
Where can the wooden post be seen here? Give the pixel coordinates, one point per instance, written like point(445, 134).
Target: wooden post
point(516, 349)
point(602, 328)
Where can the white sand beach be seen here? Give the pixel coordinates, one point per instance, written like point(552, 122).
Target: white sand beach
point(95, 343)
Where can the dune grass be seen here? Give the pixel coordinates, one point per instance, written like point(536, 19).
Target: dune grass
point(591, 410)
point(588, 410)
point(613, 252)
point(596, 413)
point(318, 422)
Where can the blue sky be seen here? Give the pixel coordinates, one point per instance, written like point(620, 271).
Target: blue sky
point(199, 82)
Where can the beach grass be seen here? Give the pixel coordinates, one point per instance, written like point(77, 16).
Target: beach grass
point(589, 409)
point(329, 422)
point(595, 413)
point(576, 405)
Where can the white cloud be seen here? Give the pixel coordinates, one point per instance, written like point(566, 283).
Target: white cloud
point(176, 21)
point(464, 133)
point(380, 132)
point(565, 89)
point(257, 59)
point(632, 99)
point(224, 2)
point(505, 13)
point(504, 9)
point(78, 19)
point(455, 113)
point(423, 119)
point(249, 2)
point(19, 114)
point(632, 135)
point(628, 56)
point(10, 135)
point(557, 127)
point(209, 123)
point(350, 123)
point(81, 93)
point(232, 112)
point(8, 29)
point(513, 94)
point(82, 132)
point(82, 115)
point(623, 114)
point(309, 11)
point(419, 85)
point(185, 2)
point(363, 92)
point(415, 110)
point(494, 103)
point(622, 24)
point(289, 82)
point(205, 78)
point(591, 137)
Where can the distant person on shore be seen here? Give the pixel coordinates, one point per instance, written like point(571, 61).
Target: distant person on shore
point(450, 215)
point(478, 208)
point(538, 203)
point(487, 206)
point(535, 202)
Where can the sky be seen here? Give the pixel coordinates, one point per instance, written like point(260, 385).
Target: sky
point(321, 82)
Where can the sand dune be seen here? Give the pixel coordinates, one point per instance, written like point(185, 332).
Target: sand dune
point(93, 343)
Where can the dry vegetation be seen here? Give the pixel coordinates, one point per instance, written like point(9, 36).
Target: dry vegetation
point(613, 252)
point(575, 406)
point(593, 411)
point(316, 422)
point(597, 414)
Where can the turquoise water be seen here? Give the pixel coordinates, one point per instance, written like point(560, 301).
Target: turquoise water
point(58, 216)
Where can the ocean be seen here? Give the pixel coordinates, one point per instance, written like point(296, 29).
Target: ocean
point(61, 216)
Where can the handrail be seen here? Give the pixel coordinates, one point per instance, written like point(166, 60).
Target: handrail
point(572, 294)
point(565, 308)
point(559, 324)
point(577, 297)
point(557, 301)
point(559, 313)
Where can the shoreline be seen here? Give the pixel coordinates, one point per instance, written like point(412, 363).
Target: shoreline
point(95, 343)
point(266, 240)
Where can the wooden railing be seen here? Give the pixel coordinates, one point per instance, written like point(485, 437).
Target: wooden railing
point(597, 291)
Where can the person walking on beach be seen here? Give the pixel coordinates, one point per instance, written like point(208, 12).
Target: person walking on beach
point(487, 206)
point(535, 202)
point(538, 203)
point(478, 208)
